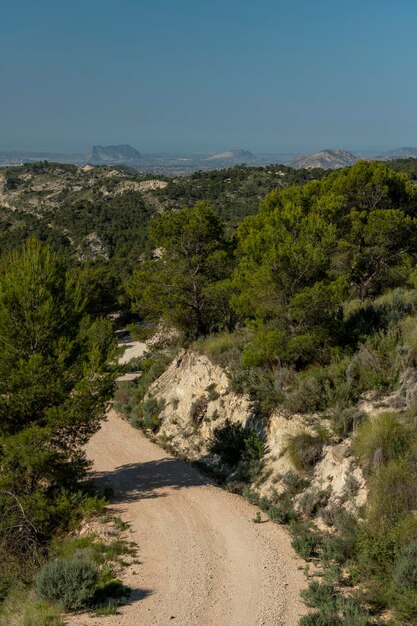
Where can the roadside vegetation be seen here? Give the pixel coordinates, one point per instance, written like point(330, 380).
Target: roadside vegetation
point(310, 308)
point(56, 381)
point(310, 305)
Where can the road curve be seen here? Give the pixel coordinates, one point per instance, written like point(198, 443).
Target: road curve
point(203, 561)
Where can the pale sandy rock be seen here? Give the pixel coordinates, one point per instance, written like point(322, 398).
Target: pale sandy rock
point(197, 400)
point(277, 462)
point(92, 246)
point(332, 473)
point(190, 416)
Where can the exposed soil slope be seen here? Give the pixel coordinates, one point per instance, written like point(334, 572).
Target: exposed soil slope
point(203, 559)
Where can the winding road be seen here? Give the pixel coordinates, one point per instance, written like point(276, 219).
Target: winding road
point(203, 561)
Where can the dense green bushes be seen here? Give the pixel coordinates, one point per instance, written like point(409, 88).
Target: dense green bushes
point(187, 282)
point(56, 381)
point(241, 449)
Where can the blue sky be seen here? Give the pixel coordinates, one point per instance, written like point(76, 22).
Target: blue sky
point(208, 75)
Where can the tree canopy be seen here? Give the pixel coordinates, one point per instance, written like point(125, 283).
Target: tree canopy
point(352, 234)
point(186, 280)
point(55, 384)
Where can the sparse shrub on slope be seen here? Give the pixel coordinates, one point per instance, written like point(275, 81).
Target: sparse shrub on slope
point(380, 439)
point(222, 348)
point(405, 569)
point(405, 583)
point(71, 582)
point(305, 450)
point(392, 492)
point(146, 414)
point(22, 608)
point(240, 448)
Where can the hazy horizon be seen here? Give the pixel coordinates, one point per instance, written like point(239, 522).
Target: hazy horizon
point(190, 77)
point(84, 150)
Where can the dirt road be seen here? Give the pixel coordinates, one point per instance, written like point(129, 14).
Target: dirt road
point(204, 562)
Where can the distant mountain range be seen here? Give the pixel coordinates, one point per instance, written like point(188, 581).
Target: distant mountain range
point(399, 153)
point(232, 155)
point(178, 164)
point(326, 159)
point(114, 155)
point(332, 159)
point(124, 154)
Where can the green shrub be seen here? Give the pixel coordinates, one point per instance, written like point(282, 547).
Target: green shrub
point(345, 420)
point(97, 551)
point(351, 487)
point(326, 617)
point(224, 348)
point(146, 414)
point(337, 548)
point(281, 511)
point(130, 394)
point(107, 609)
point(405, 569)
point(41, 613)
point(232, 442)
point(212, 393)
point(241, 449)
point(376, 365)
point(405, 603)
point(71, 583)
point(312, 500)
point(380, 439)
point(198, 410)
point(352, 614)
point(392, 492)
point(229, 442)
point(308, 395)
point(21, 608)
point(265, 387)
point(304, 450)
point(333, 610)
point(110, 587)
point(304, 540)
point(317, 594)
point(293, 483)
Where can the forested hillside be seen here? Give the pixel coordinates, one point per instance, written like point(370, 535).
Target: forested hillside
point(305, 294)
point(312, 311)
point(89, 212)
point(408, 166)
point(85, 212)
point(235, 192)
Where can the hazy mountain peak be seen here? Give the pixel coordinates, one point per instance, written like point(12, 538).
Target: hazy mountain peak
point(401, 153)
point(330, 158)
point(231, 155)
point(113, 155)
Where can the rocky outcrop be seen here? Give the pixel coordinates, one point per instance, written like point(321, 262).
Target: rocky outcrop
point(198, 399)
point(113, 155)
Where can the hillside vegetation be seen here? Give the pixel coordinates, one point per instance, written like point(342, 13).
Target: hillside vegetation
point(308, 302)
point(56, 380)
point(92, 212)
point(311, 308)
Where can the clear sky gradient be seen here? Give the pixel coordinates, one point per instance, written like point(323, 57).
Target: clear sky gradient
point(208, 75)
